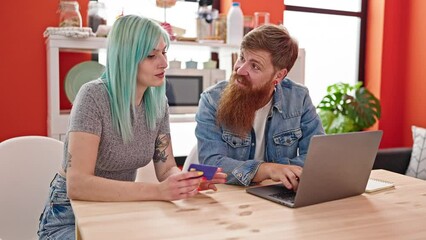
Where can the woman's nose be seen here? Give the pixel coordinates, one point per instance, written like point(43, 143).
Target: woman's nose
point(164, 63)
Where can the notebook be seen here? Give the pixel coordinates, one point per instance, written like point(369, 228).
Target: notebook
point(374, 185)
point(336, 166)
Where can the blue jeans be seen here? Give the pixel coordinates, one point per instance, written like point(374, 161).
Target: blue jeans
point(57, 220)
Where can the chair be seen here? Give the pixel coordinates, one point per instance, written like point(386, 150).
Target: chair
point(27, 166)
point(147, 174)
point(191, 158)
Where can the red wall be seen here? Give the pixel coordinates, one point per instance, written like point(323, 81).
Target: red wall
point(23, 91)
point(415, 74)
point(395, 66)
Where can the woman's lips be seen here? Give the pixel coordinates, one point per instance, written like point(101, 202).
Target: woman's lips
point(161, 75)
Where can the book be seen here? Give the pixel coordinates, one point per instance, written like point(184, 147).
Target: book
point(375, 185)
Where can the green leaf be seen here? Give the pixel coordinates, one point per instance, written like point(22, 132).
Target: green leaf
point(327, 118)
point(348, 108)
point(342, 124)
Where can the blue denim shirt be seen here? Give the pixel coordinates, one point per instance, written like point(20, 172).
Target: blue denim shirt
point(291, 123)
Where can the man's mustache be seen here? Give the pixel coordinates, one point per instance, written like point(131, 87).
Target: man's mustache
point(242, 79)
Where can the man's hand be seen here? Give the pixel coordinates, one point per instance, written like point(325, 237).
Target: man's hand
point(287, 174)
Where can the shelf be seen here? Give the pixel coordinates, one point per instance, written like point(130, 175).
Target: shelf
point(94, 43)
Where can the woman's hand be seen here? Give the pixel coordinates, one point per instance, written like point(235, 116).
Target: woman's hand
point(219, 177)
point(180, 186)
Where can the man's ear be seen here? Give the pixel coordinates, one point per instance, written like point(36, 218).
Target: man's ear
point(281, 74)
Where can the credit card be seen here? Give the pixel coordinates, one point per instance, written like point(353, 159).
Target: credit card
point(208, 171)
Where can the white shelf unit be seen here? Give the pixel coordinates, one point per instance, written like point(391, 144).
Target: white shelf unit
point(57, 120)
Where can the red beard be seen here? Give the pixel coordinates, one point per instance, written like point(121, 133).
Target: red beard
point(238, 105)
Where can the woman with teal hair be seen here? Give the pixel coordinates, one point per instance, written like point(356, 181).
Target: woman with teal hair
point(118, 124)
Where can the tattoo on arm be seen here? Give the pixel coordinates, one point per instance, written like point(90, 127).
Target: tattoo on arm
point(69, 160)
point(161, 144)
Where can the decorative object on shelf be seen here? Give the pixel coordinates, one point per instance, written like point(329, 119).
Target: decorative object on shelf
point(103, 31)
point(248, 24)
point(210, 64)
point(174, 32)
point(165, 3)
point(348, 108)
point(191, 64)
point(174, 64)
point(169, 30)
point(79, 75)
point(260, 18)
point(96, 15)
point(234, 24)
point(73, 32)
point(69, 14)
point(206, 20)
point(220, 28)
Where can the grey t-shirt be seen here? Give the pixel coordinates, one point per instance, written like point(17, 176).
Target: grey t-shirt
point(91, 113)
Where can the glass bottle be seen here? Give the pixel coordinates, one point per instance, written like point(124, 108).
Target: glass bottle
point(69, 14)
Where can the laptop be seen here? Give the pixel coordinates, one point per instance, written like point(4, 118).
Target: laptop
point(336, 166)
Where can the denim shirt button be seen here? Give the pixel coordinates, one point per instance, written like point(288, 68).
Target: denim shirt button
point(252, 144)
point(239, 175)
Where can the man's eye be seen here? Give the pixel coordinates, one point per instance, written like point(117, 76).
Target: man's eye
point(164, 53)
point(255, 67)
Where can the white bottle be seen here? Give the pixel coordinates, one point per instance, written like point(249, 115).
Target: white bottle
point(234, 25)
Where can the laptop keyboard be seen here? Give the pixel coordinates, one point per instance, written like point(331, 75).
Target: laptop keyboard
point(286, 196)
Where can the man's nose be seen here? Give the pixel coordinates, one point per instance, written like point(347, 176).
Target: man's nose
point(241, 69)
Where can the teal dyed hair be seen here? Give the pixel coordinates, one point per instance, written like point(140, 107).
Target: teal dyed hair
point(130, 41)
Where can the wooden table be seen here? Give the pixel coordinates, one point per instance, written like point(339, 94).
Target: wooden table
point(231, 213)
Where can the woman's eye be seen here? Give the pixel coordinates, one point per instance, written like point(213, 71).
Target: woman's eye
point(151, 56)
point(164, 53)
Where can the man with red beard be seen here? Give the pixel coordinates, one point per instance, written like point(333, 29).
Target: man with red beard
point(258, 125)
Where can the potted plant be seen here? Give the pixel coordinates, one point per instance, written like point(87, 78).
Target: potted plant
point(348, 108)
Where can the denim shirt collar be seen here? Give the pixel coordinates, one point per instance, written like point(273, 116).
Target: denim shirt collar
point(277, 101)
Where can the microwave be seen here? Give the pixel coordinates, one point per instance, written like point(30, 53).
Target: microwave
point(184, 86)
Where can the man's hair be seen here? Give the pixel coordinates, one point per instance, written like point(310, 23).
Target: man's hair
point(130, 41)
point(277, 41)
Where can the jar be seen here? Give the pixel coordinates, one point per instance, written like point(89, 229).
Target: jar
point(260, 18)
point(96, 15)
point(206, 18)
point(248, 24)
point(69, 14)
